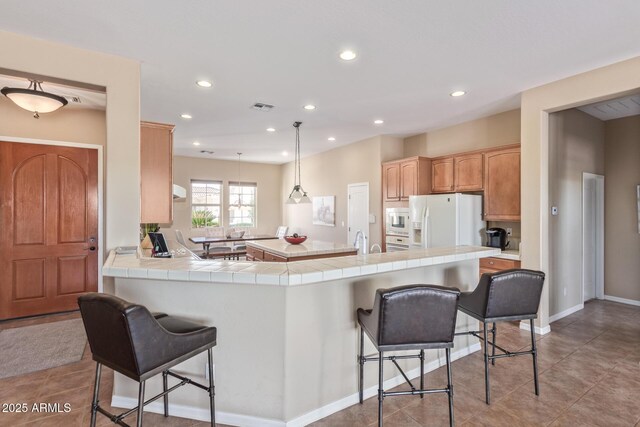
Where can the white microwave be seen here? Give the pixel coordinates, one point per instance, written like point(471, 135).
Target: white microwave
point(397, 221)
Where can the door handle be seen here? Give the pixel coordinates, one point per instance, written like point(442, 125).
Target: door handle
point(90, 248)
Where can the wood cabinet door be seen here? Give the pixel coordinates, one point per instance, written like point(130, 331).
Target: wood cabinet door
point(502, 185)
point(156, 173)
point(49, 223)
point(391, 181)
point(442, 175)
point(408, 179)
point(468, 172)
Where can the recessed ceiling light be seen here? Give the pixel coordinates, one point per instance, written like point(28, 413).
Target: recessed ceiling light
point(457, 93)
point(271, 130)
point(378, 122)
point(186, 116)
point(196, 143)
point(348, 55)
point(309, 107)
point(284, 153)
point(331, 138)
point(204, 83)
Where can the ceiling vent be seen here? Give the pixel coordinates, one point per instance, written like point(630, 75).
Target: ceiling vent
point(262, 107)
point(74, 99)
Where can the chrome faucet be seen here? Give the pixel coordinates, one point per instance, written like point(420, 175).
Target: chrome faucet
point(362, 247)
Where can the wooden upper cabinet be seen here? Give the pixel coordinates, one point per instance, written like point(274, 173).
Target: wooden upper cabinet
point(502, 184)
point(405, 177)
point(156, 173)
point(442, 175)
point(467, 173)
point(391, 181)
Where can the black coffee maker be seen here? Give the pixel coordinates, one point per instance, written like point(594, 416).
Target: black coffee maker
point(497, 238)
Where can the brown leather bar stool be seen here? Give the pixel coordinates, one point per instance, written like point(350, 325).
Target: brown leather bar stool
point(508, 295)
point(130, 340)
point(413, 317)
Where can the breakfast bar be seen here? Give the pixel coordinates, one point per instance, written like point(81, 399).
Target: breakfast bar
point(287, 331)
point(281, 251)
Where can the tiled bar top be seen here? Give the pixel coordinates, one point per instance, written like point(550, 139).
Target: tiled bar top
point(308, 247)
point(285, 274)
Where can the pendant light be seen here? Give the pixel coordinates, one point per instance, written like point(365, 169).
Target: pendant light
point(34, 98)
point(297, 195)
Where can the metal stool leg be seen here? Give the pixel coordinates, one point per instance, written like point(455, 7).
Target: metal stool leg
point(449, 385)
point(166, 396)
point(96, 392)
point(493, 350)
point(140, 404)
point(380, 387)
point(421, 372)
point(535, 358)
point(486, 364)
point(212, 389)
point(361, 363)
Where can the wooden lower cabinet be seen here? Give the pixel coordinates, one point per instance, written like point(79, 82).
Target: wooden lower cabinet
point(492, 265)
point(254, 254)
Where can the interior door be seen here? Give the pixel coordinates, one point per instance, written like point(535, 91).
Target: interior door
point(49, 224)
point(358, 208)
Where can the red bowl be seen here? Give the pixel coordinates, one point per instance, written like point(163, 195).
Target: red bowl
point(295, 240)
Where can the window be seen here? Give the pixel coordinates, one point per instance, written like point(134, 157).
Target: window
point(242, 204)
point(206, 198)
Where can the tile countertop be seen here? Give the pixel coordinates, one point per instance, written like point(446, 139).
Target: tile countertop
point(286, 273)
point(308, 247)
point(509, 254)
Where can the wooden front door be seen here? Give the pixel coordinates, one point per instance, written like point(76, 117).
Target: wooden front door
point(48, 227)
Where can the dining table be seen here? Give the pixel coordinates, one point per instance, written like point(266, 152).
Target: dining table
point(206, 241)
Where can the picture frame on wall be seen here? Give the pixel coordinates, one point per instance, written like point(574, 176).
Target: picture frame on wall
point(324, 211)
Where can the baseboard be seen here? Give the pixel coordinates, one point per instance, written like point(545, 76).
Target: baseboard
point(538, 330)
point(199, 414)
point(303, 420)
point(565, 313)
point(341, 404)
point(622, 300)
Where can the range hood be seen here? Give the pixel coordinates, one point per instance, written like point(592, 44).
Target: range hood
point(179, 192)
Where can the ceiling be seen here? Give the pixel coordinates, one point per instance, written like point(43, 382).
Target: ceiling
point(614, 108)
point(411, 55)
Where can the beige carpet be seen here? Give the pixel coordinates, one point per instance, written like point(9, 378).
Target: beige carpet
point(34, 348)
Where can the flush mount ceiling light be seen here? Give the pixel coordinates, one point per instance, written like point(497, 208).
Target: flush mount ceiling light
point(378, 122)
point(186, 116)
point(331, 138)
point(309, 107)
point(271, 130)
point(457, 93)
point(34, 98)
point(204, 83)
point(196, 143)
point(297, 195)
point(284, 153)
point(348, 55)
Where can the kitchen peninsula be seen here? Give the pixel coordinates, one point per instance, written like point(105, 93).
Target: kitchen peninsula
point(288, 336)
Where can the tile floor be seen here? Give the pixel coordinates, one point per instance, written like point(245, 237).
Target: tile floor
point(589, 376)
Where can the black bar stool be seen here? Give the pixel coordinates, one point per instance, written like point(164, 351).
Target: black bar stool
point(507, 295)
point(413, 317)
point(130, 340)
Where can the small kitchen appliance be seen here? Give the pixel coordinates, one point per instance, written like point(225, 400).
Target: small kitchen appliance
point(497, 238)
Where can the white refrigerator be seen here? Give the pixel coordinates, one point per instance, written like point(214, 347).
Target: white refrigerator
point(440, 220)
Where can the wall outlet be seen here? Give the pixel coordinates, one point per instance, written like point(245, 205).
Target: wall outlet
point(509, 231)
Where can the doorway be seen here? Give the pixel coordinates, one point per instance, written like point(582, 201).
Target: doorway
point(358, 210)
point(49, 213)
point(592, 236)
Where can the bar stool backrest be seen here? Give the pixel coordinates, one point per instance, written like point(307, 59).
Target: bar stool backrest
point(416, 314)
point(514, 292)
point(114, 327)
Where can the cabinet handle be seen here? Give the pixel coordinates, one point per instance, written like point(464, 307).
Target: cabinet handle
point(491, 262)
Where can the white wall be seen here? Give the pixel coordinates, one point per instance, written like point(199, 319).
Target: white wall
point(576, 145)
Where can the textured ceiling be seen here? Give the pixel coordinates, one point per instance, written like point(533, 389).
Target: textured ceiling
point(411, 55)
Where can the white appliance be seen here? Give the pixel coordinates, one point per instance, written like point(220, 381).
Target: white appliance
point(396, 243)
point(440, 220)
point(397, 221)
